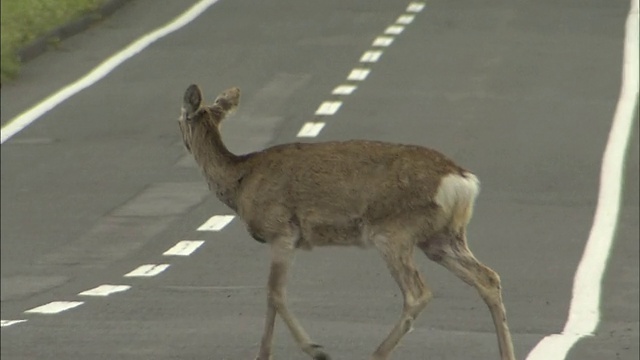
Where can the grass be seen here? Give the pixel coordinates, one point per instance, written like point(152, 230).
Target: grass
point(25, 20)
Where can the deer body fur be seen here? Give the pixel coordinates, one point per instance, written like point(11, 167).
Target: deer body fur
point(355, 193)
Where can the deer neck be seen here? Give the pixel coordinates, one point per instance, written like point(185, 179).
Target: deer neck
point(221, 168)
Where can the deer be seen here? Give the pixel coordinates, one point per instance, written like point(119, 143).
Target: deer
point(369, 194)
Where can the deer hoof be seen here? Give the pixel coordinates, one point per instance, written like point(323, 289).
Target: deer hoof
point(321, 355)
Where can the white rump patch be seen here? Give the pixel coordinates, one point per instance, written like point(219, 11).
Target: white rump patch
point(456, 196)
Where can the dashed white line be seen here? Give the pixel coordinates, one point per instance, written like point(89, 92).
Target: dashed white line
point(584, 310)
point(4, 323)
point(371, 56)
point(184, 248)
point(405, 19)
point(216, 223)
point(55, 307)
point(23, 120)
point(383, 41)
point(394, 30)
point(415, 7)
point(147, 270)
point(358, 74)
point(311, 129)
point(328, 107)
point(105, 290)
point(344, 90)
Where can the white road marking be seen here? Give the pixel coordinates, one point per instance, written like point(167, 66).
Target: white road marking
point(394, 30)
point(344, 90)
point(216, 223)
point(55, 307)
point(4, 323)
point(328, 107)
point(26, 118)
point(184, 248)
point(358, 74)
point(147, 270)
point(311, 129)
point(371, 56)
point(415, 7)
point(383, 41)
point(105, 290)
point(584, 311)
point(405, 19)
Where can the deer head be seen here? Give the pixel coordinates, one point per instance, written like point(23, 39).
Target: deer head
point(196, 117)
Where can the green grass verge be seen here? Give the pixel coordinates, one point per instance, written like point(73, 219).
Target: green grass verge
point(25, 20)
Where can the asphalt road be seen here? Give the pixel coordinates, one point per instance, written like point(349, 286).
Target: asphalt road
point(522, 93)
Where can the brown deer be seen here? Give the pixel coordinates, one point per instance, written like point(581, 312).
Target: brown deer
point(362, 193)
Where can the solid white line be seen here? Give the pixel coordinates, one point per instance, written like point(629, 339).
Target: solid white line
point(23, 120)
point(55, 307)
point(216, 223)
point(4, 323)
point(344, 90)
point(371, 56)
point(311, 129)
point(105, 290)
point(415, 7)
point(358, 74)
point(382, 41)
point(328, 107)
point(147, 270)
point(584, 311)
point(405, 19)
point(394, 30)
point(184, 248)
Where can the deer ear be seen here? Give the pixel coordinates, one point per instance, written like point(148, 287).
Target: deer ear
point(192, 100)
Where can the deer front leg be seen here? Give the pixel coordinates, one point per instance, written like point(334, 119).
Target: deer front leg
point(267, 335)
point(281, 258)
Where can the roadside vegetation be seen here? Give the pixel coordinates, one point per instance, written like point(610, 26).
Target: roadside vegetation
point(25, 20)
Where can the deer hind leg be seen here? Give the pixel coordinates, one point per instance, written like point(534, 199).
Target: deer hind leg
point(281, 258)
point(416, 295)
point(452, 252)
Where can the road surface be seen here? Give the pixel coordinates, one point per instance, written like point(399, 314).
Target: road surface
point(521, 93)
